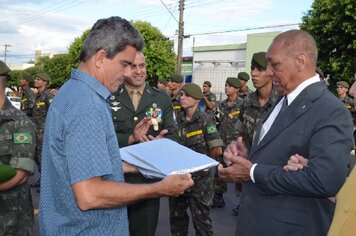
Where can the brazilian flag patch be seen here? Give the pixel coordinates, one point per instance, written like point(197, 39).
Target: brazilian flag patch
point(211, 129)
point(20, 138)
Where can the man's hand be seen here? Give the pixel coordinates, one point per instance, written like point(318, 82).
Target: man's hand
point(235, 148)
point(140, 130)
point(295, 163)
point(174, 185)
point(238, 171)
point(162, 134)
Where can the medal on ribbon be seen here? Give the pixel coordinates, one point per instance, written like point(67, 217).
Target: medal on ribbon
point(155, 113)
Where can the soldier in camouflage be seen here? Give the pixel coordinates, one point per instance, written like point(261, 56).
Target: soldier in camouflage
point(229, 111)
point(42, 103)
point(256, 104)
point(342, 89)
point(244, 90)
point(198, 132)
point(28, 96)
point(209, 98)
point(17, 146)
point(174, 84)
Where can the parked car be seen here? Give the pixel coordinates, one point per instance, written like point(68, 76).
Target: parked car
point(16, 101)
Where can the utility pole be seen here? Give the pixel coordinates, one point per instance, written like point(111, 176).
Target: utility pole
point(180, 37)
point(6, 51)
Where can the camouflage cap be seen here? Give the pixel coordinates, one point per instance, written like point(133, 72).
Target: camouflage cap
point(162, 81)
point(28, 77)
point(193, 90)
point(259, 60)
point(176, 78)
point(243, 76)
point(207, 83)
point(233, 82)
point(4, 69)
point(43, 76)
point(343, 84)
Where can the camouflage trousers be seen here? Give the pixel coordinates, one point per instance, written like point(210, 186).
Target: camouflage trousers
point(38, 150)
point(198, 199)
point(16, 212)
point(219, 185)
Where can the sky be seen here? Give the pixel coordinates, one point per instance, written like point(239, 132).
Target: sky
point(52, 25)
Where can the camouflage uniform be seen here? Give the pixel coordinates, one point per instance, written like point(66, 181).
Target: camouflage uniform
point(42, 102)
point(212, 98)
point(228, 115)
point(349, 103)
point(199, 134)
point(177, 109)
point(251, 114)
point(27, 102)
point(244, 95)
point(17, 145)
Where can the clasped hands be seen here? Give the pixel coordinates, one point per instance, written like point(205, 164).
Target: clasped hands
point(238, 166)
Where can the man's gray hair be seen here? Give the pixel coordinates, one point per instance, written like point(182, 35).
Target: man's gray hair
point(112, 35)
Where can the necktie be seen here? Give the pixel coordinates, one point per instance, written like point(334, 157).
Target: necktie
point(135, 98)
point(284, 105)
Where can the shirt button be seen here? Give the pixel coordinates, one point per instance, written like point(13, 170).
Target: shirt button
point(135, 118)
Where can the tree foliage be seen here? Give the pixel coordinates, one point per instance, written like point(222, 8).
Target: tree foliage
point(159, 52)
point(333, 25)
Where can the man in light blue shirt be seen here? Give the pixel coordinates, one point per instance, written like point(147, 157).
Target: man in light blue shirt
point(82, 185)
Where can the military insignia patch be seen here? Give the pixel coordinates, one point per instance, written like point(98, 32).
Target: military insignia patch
point(20, 138)
point(211, 129)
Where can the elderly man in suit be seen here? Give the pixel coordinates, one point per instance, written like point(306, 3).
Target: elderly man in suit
point(307, 120)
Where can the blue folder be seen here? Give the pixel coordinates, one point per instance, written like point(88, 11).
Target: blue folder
point(162, 157)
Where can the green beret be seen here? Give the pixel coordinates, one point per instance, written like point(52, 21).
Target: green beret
point(6, 172)
point(43, 76)
point(193, 90)
point(207, 83)
point(343, 84)
point(320, 72)
point(233, 82)
point(162, 81)
point(27, 77)
point(243, 76)
point(259, 60)
point(4, 69)
point(176, 78)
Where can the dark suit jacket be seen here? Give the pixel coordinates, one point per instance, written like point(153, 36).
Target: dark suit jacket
point(316, 125)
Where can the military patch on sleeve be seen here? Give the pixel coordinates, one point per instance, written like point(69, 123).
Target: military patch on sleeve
point(20, 138)
point(211, 129)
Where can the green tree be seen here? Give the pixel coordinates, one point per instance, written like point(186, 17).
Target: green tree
point(159, 52)
point(333, 25)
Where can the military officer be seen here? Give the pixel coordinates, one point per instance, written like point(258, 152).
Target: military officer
point(141, 113)
point(28, 96)
point(197, 131)
point(229, 111)
point(17, 146)
point(42, 103)
point(174, 84)
point(244, 89)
